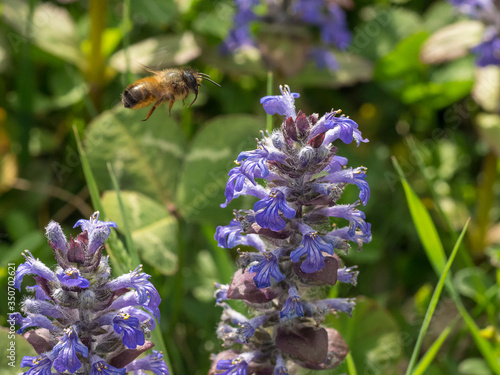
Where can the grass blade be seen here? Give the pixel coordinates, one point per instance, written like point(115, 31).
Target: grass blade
point(134, 259)
point(423, 222)
point(351, 367)
point(433, 351)
point(435, 253)
point(434, 301)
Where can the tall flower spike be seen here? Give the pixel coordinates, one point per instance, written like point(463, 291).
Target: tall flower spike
point(83, 321)
point(298, 179)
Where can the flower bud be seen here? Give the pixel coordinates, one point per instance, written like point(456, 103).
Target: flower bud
point(56, 237)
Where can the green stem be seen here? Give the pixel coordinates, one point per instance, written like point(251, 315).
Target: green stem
point(269, 118)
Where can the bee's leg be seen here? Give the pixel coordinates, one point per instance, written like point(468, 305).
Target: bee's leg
point(170, 107)
point(195, 96)
point(158, 102)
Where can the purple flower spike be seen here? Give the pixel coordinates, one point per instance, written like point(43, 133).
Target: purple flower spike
point(32, 266)
point(268, 267)
point(312, 245)
point(97, 231)
point(293, 306)
point(70, 277)
point(283, 105)
point(56, 237)
point(334, 30)
point(65, 352)
point(298, 178)
point(128, 325)
point(267, 211)
point(40, 365)
point(153, 362)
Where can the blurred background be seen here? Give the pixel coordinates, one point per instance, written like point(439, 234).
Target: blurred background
point(401, 69)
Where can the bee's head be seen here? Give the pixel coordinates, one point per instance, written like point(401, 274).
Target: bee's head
point(191, 80)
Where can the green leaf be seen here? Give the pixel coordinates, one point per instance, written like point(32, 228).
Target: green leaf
point(452, 41)
point(474, 366)
point(472, 283)
point(145, 156)
point(402, 67)
point(425, 227)
point(434, 301)
point(372, 335)
point(57, 38)
point(153, 228)
point(158, 52)
point(204, 177)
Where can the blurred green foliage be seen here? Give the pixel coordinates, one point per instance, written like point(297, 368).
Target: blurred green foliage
point(65, 64)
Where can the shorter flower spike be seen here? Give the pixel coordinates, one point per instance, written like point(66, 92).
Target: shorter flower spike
point(83, 321)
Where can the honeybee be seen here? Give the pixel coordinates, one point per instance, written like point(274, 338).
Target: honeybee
point(167, 85)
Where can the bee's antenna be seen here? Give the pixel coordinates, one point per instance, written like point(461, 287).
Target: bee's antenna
point(209, 80)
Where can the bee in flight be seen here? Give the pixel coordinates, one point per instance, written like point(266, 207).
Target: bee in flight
point(167, 85)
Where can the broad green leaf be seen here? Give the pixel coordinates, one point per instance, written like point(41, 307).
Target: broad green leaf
point(57, 38)
point(372, 335)
point(8, 365)
point(486, 89)
point(474, 366)
point(204, 176)
point(152, 12)
point(472, 283)
point(451, 42)
point(425, 227)
point(153, 228)
point(489, 130)
point(402, 62)
point(158, 52)
point(383, 29)
point(145, 156)
point(438, 15)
